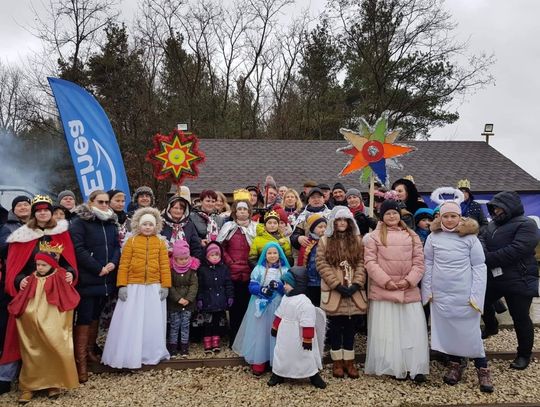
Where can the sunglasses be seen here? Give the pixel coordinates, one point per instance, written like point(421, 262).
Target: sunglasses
point(102, 202)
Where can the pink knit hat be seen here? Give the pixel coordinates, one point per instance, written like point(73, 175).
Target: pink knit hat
point(180, 248)
point(450, 206)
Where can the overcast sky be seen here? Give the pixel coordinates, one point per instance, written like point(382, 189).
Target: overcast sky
point(509, 29)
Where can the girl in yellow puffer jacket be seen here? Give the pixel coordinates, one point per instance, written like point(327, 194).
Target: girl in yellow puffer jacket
point(137, 332)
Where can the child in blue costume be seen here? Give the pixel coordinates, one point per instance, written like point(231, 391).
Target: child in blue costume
point(253, 341)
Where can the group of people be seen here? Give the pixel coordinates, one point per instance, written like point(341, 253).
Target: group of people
point(280, 274)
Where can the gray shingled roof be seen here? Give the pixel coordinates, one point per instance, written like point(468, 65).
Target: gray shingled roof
point(231, 164)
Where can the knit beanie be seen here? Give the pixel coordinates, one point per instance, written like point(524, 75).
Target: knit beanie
point(423, 213)
point(283, 216)
point(387, 205)
point(313, 220)
point(143, 190)
point(180, 248)
point(450, 206)
point(211, 249)
point(47, 258)
point(353, 192)
point(114, 192)
point(297, 278)
point(148, 218)
point(65, 193)
point(339, 185)
point(18, 199)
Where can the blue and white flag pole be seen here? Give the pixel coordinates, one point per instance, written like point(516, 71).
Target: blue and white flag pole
point(91, 140)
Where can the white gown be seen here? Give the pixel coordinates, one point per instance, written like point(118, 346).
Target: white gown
point(137, 332)
point(455, 278)
point(290, 358)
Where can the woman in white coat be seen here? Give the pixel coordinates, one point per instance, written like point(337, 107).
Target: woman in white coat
point(455, 283)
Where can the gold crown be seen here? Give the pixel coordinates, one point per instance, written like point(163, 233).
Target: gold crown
point(271, 214)
point(51, 248)
point(409, 177)
point(241, 195)
point(464, 183)
point(41, 198)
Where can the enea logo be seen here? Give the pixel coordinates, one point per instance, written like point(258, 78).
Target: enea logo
point(93, 161)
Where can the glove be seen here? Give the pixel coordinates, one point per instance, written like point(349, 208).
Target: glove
point(273, 332)
point(163, 293)
point(273, 284)
point(230, 302)
point(307, 344)
point(199, 304)
point(267, 292)
point(353, 288)
point(122, 293)
point(344, 291)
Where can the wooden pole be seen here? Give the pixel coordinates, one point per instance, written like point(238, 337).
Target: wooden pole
point(371, 194)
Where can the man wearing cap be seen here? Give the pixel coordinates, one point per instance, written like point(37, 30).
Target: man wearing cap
point(307, 187)
point(327, 192)
point(338, 194)
point(315, 204)
point(67, 200)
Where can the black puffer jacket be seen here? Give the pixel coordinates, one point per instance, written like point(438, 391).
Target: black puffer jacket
point(215, 284)
point(13, 223)
point(509, 243)
point(96, 244)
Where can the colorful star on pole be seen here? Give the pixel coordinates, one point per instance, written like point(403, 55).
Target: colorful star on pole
point(369, 148)
point(175, 156)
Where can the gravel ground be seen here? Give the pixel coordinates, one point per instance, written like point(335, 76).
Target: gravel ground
point(237, 386)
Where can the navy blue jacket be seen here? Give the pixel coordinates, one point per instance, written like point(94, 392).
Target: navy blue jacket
point(509, 243)
point(96, 244)
point(215, 285)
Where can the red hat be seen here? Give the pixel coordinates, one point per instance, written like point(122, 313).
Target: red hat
point(283, 217)
point(47, 258)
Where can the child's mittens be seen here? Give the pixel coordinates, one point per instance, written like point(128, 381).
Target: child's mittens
point(163, 293)
point(276, 285)
point(122, 294)
point(307, 344)
point(230, 302)
point(344, 291)
point(267, 291)
point(273, 332)
point(308, 333)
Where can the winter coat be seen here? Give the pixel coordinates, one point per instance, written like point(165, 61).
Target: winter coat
point(190, 234)
point(96, 244)
point(331, 300)
point(314, 278)
point(263, 237)
point(472, 209)
point(236, 256)
point(300, 228)
point(12, 223)
point(200, 222)
point(401, 259)
point(184, 285)
point(215, 286)
point(455, 267)
point(145, 259)
point(511, 245)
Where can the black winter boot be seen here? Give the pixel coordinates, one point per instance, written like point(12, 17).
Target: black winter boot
point(317, 381)
point(520, 363)
point(275, 379)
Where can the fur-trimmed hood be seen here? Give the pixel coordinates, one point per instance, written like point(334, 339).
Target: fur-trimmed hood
point(467, 226)
point(143, 211)
point(84, 212)
point(25, 234)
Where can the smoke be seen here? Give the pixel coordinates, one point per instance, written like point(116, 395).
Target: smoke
point(31, 163)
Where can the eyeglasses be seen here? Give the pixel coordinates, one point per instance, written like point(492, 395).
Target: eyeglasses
point(102, 202)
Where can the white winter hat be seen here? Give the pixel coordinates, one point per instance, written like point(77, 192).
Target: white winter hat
point(147, 218)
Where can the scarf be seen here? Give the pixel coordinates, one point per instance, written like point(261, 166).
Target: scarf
point(211, 225)
point(103, 215)
point(229, 229)
point(192, 264)
point(176, 227)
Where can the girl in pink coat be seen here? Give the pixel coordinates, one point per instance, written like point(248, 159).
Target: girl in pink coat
point(397, 334)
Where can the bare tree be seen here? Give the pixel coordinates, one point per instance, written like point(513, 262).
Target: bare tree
point(16, 100)
point(69, 29)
